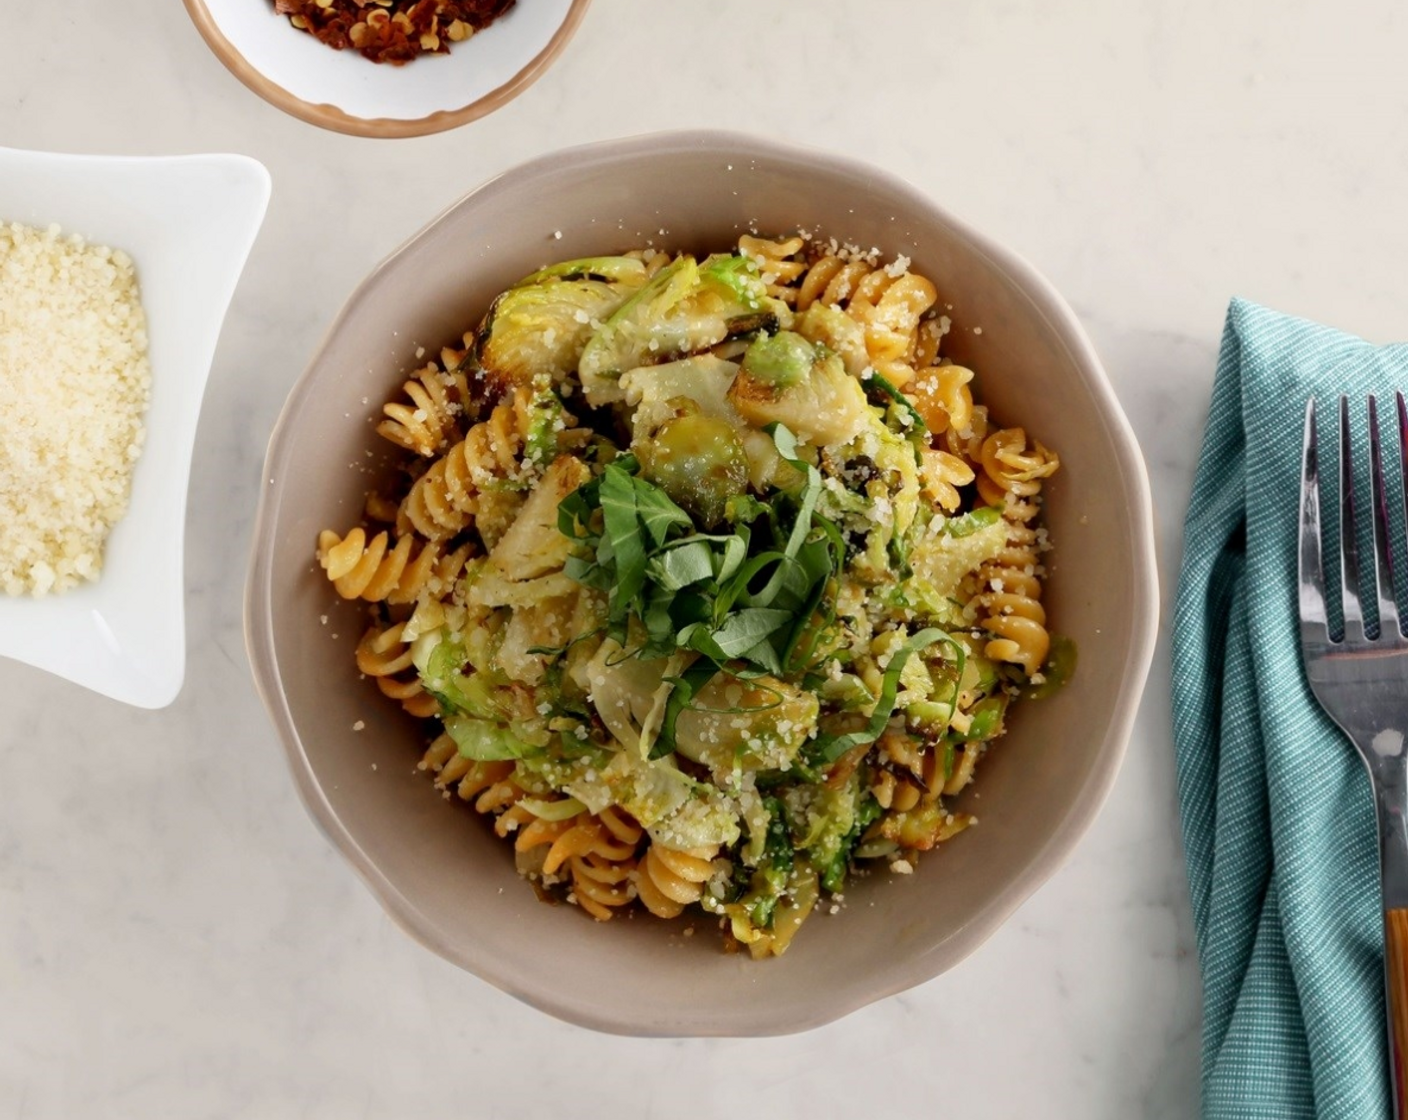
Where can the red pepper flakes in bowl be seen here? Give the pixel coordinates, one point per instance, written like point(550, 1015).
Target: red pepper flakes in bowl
point(394, 31)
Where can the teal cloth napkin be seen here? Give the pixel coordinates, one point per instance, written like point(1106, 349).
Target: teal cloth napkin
point(1278, 823)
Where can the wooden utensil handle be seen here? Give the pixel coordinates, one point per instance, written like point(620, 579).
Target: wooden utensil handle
point(1396, 980)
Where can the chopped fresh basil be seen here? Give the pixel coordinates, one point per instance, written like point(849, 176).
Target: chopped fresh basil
point(748, 595)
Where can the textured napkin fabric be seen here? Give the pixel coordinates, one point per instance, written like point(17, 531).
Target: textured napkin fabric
point(1278, 822)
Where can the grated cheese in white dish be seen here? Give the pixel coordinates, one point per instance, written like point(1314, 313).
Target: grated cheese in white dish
point(74, 384)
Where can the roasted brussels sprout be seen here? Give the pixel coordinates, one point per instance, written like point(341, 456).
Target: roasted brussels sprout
point(780, 360)
point(683, 309)
point(622, 270)
point(825, 406)
point(541, 329)
point(698, 461)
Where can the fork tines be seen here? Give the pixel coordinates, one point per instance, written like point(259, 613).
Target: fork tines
point(1314, 619)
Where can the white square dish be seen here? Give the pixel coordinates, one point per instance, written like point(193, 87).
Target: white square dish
point(188, 223)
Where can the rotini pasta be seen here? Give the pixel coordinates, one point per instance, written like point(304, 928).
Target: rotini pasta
point(386, 656)
point(941, 396)
point(756, 616)
point(1011, 478)
point(379, 571)
point(444, 500)
point(672, 878)
point(778, 262)
point(599, 854)
point(435, 410)
point(943, 474)
point(888, 303)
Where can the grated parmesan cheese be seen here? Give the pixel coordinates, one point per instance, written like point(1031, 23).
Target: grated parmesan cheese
point(74, 383)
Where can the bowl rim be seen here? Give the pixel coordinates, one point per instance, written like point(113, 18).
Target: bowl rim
point(756, 1019)
point(338, 120)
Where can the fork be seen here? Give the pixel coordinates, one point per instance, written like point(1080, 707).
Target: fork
point(1362, 683)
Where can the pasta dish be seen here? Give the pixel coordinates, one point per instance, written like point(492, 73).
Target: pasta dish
point(709, 579)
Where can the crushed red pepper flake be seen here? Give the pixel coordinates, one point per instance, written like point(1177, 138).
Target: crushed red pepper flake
point(392, 31)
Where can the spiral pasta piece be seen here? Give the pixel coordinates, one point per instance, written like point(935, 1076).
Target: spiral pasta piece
point(384, 655)
point(452, 770)
point(1014, 465)
point(445, 500)
point(600, 885)
point(495, 790)
point(599, 854)
point(887, 304)
point(500, 796)
point(942, 473)
point(967, 443)
point(669, 879)
point(532, 830)
point(1012, 472)
point(833, 282)
point(432, 414)
point(778, 263)
point(379, 571)
point(940, 394)
point(929, 341)
point(895, 793)
point(914, 773)
point(441, 752)
point(892, 322)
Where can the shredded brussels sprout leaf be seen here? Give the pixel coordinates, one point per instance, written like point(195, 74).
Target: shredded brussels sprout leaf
point(483, 740)
point(828, 748)
point(686, 686)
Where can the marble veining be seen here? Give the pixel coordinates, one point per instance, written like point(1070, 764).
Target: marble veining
point(176, 939)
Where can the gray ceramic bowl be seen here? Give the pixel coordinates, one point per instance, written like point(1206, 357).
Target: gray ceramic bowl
point(434, 865)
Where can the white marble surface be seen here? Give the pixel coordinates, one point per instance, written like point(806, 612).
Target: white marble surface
point(176, 939)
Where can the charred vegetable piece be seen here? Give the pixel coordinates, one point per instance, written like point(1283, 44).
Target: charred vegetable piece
point(699, 462)
point(823, 404)
point(624, 341)
point(683, 309)
point(622, 270)
point(733, 298)
point(540, 330)
point(923, 827)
